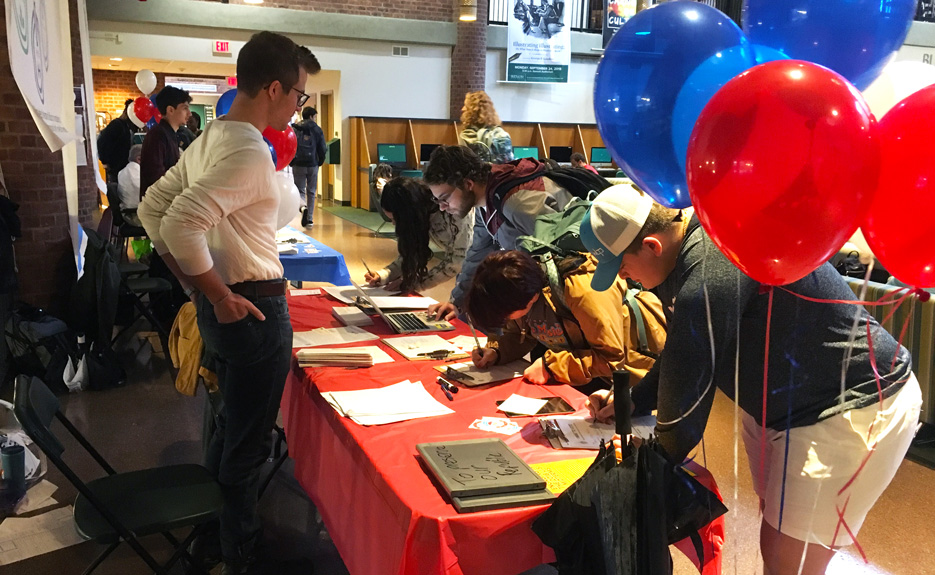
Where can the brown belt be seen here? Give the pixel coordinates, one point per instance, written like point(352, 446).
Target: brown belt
point(269, 288)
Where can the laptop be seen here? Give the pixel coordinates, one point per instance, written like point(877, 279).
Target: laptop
point(406, 322)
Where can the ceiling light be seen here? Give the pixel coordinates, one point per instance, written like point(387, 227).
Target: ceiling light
point(116, 59)
point(252, 1)
point(467, 10)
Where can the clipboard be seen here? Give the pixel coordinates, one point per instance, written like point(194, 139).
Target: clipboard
point(468, 375)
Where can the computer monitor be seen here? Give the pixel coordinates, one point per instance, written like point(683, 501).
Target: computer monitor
point(525, 152)
point(425, 151)
point(561, 154)
point(600, 156)
point(392, 154)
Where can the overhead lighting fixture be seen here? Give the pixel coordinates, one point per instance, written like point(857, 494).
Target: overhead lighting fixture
point(116, 59)
point(467, 10)
point(252, 1)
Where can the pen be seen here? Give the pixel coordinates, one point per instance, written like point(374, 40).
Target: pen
point(366, 266)
point(473, 332)
point(445, 389)
point(445, 383)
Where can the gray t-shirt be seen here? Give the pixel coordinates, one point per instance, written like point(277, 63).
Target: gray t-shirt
point(808, 341)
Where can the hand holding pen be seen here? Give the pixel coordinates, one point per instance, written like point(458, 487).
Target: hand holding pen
point(371, 278)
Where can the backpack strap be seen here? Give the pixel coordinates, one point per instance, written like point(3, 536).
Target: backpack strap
point(636, 315)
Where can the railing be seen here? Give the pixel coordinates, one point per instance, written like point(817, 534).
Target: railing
point(584, 15)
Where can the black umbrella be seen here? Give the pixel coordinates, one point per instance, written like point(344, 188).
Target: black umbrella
point(619, 518)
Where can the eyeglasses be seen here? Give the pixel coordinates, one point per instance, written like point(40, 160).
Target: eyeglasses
point(299, 100)
point(445, 198)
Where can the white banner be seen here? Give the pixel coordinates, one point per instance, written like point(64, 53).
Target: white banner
point(538, 42)
point(34, 37)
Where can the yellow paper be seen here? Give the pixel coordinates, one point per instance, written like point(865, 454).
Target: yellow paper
point(558, 475)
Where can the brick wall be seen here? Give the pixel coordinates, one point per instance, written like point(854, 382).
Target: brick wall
point(113, 87)
point(436, 10)
point(35, 180)
point(469, 59)
point(88, 194)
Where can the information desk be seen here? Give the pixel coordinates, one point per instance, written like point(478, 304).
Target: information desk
point(315, 262)
point(382, 510)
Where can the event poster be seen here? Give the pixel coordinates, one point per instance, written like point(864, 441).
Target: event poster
point(34, 38)
point(538, 42)
point(616, 12)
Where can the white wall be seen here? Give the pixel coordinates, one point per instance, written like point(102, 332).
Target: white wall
point(570, 103)
point(371, 81)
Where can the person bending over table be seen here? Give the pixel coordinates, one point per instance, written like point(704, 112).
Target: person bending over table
point(809, 422)
point(588, 337)
point(462, 182)
point(408, 203)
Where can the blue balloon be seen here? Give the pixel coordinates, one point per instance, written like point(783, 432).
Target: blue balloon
point(152, 123)
point(638, 80)
point(224, 102)
point(855, 38)
point(272, 151)
point(704, 82)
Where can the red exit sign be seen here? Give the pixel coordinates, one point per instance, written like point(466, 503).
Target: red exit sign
point(232, 81)
point(221, 47)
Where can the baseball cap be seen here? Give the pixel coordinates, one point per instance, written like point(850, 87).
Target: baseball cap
point(611, 223)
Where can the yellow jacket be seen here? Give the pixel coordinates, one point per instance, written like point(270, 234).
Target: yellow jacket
point(186, 349)
point(600, 339)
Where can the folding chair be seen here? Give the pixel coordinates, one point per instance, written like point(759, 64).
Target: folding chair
point(122, 506)
point(122, 230)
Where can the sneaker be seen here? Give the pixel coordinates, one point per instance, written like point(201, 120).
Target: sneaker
point(206, 549)
point(306, 220)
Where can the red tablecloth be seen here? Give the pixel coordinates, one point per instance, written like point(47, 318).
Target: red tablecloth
point(381, 508)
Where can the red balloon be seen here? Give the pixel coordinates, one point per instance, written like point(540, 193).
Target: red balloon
point(156, 115)
point(284, 143)
point(782, 165)
point(144, 109)
point(899, 227)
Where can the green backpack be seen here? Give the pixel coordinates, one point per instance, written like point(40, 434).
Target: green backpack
point(556, 244)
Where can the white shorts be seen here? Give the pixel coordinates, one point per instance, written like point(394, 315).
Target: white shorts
point(822, 461)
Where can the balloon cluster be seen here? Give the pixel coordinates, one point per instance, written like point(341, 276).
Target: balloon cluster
point(765, 131)
point(144, 111)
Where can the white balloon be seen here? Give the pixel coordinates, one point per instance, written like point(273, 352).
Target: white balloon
point(131, 113)
point(289, 200)
point(898, 81)
point(146, 81)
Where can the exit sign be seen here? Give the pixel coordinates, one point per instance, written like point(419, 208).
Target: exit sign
point(221, 47)
point(232, 81)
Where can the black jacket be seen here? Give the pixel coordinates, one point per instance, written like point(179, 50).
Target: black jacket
point(113, 144)
point(311, 145)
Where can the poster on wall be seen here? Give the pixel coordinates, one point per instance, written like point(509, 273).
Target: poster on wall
point(538, 42)
point(616, 12)
point(34, 37)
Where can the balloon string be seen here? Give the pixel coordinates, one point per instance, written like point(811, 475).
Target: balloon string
point(769, 319)
point(737, 423)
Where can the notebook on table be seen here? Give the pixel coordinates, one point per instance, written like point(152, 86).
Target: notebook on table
point(482, 474)
point(405, 322)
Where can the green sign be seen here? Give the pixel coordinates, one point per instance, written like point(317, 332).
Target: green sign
point(536, 72)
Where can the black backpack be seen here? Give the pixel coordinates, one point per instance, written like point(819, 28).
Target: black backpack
point(579, 182)
point(305, 153)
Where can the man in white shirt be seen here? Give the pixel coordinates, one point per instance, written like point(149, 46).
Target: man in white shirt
point(212, 217)
point(128, 186)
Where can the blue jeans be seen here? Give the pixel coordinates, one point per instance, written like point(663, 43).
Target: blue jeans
point(252, 359)
point(306, 179)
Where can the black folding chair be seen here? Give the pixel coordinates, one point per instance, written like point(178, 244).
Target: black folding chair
point(122, 506)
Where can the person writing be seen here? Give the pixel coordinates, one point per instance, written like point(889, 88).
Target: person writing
point(810, 428)
point(213, 219)
point(588, 334)
point(409, 204)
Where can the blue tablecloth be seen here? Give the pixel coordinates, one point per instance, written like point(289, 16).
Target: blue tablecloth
point(315, 262)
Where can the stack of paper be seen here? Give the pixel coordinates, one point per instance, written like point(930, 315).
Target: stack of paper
point(343, 356)
point(348, 294)
point(330, 336)
point(351, 316)
point(287, 249)
point(466, 343)
point(578, 432)
point(399, 402)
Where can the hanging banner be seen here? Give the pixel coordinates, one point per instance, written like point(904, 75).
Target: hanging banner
point(538, 42)
point(34, 37)
point(616, 12)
